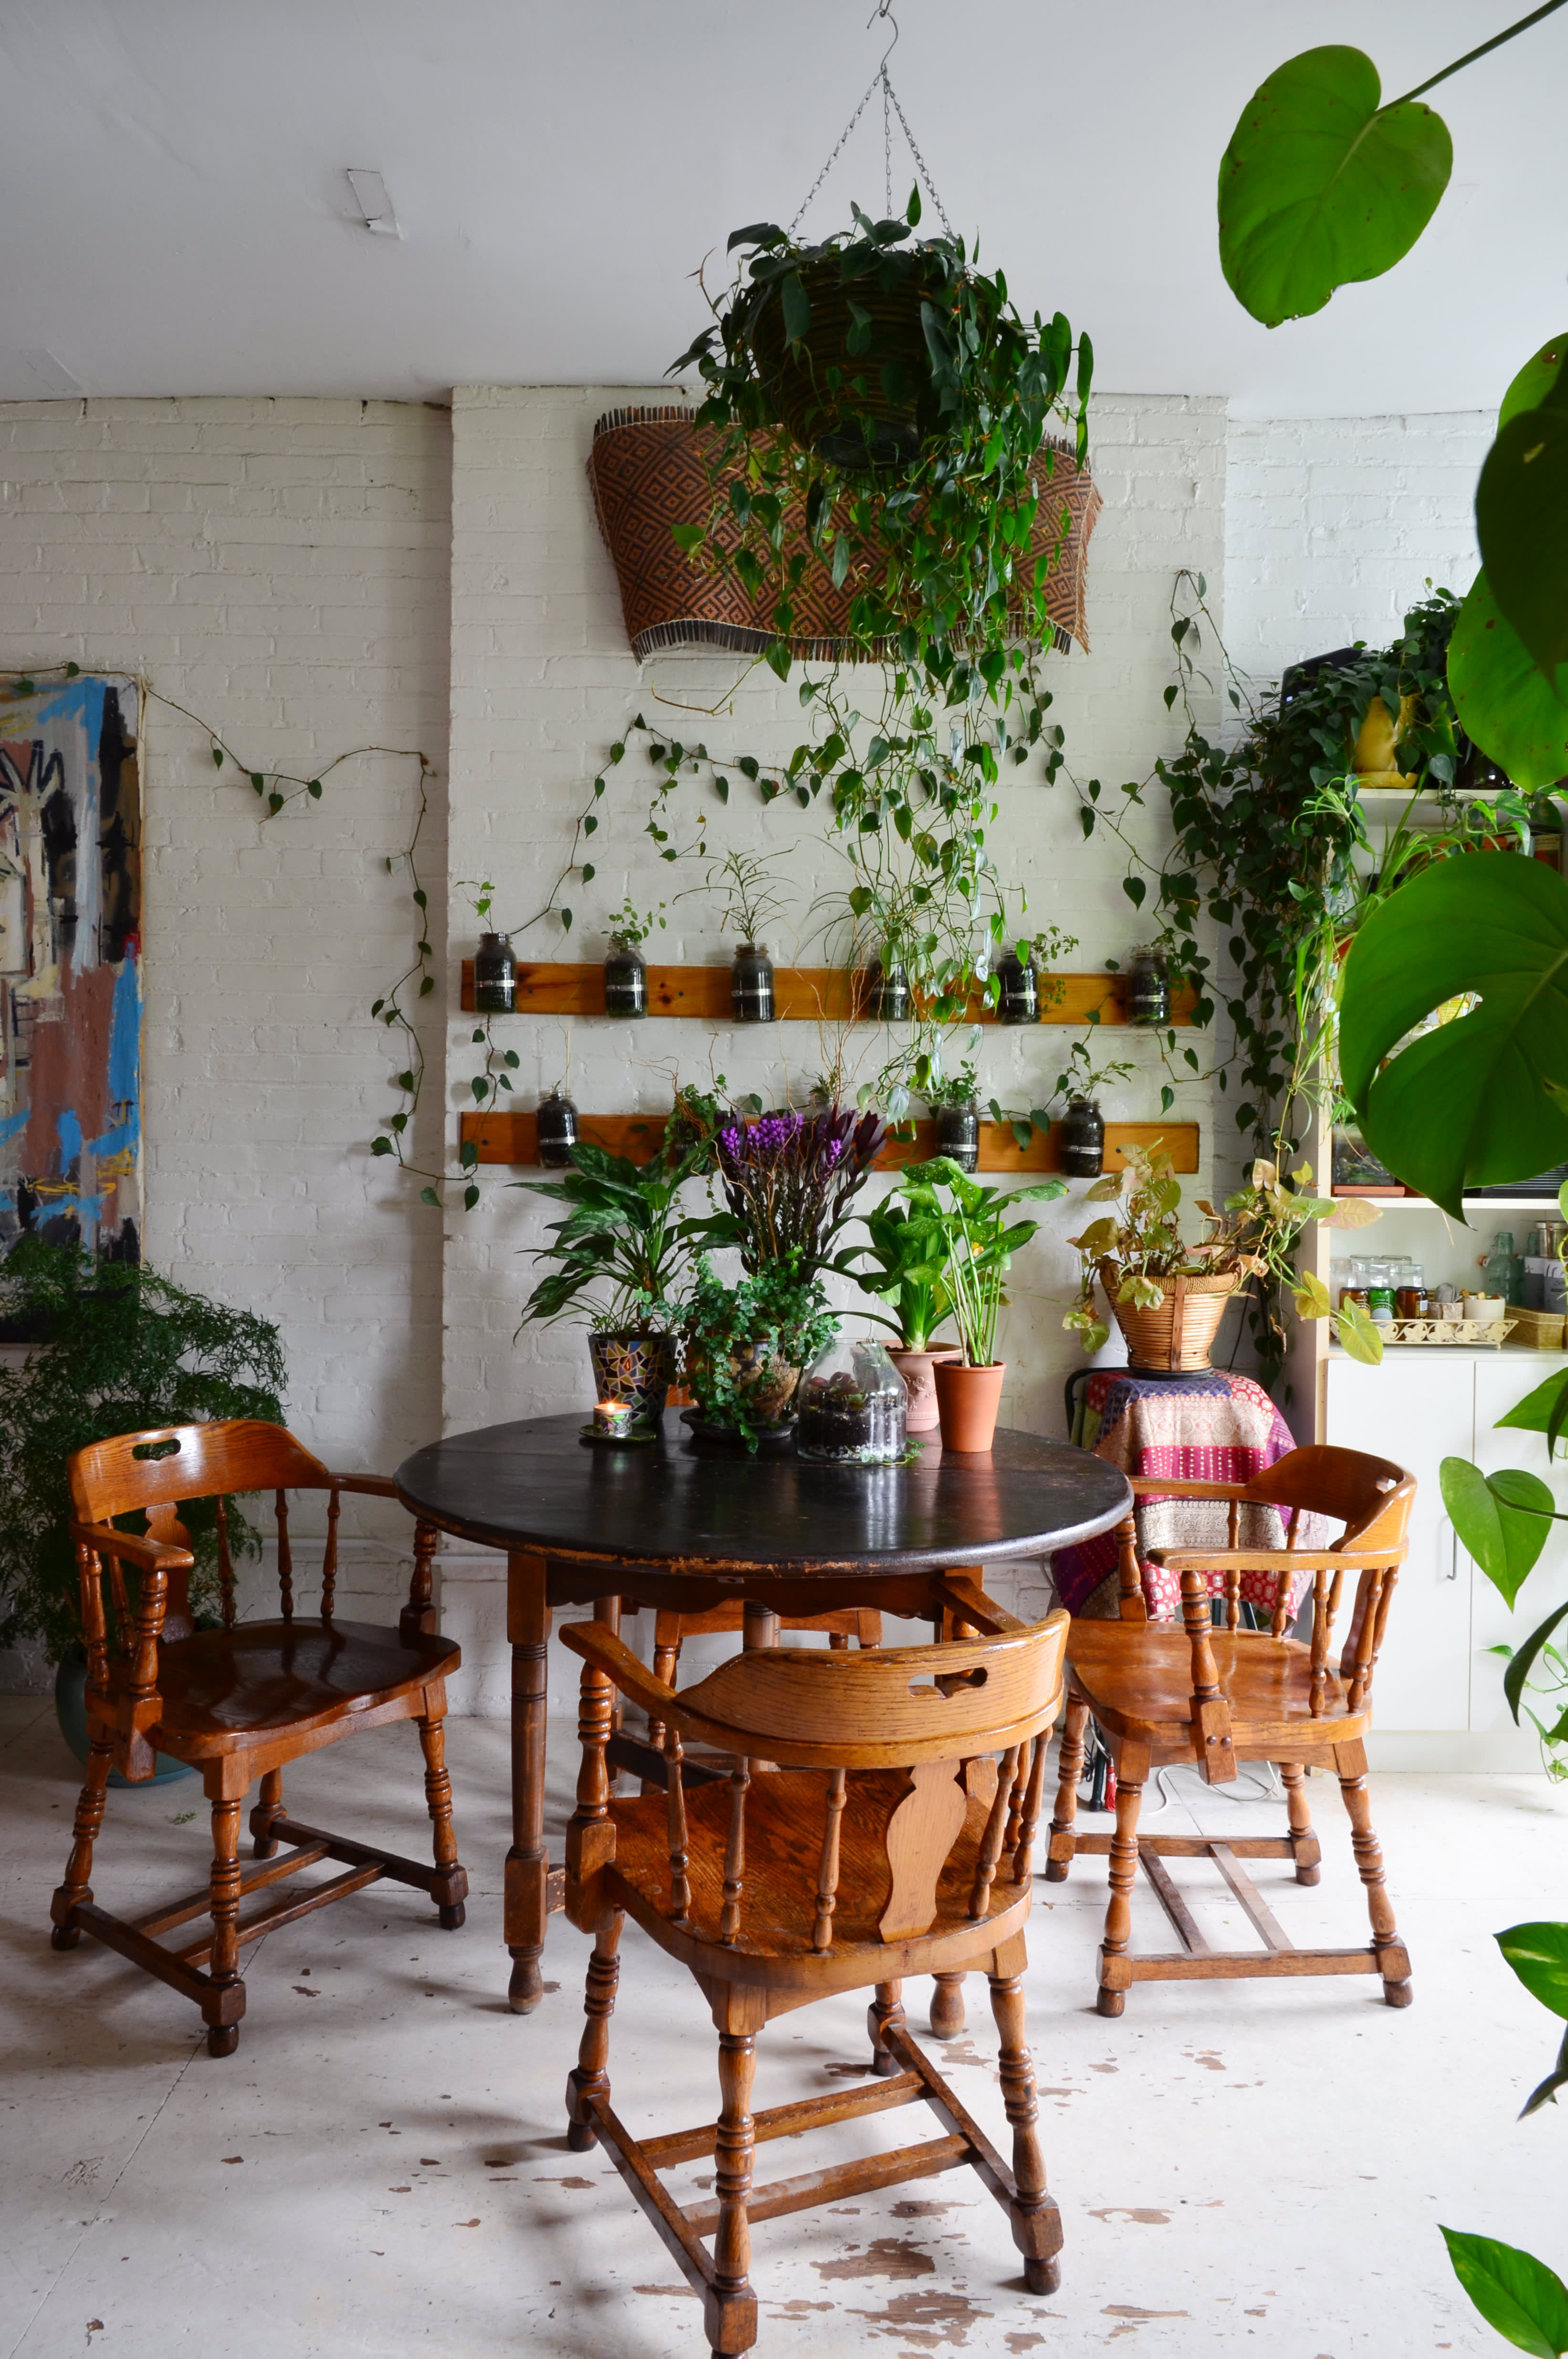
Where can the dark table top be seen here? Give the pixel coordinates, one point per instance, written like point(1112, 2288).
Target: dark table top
point(751, 1523)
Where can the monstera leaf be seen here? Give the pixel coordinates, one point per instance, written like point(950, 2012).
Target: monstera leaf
point(1521, 515)
point(1321, 185)
point(1511, 709)
point(1474, 1101)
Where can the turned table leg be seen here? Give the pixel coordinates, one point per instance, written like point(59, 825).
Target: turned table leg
point(527, 1906)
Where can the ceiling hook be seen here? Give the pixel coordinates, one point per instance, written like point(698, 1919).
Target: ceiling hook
point(884, 9)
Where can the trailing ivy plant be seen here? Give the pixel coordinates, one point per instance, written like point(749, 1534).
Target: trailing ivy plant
point(929, 510)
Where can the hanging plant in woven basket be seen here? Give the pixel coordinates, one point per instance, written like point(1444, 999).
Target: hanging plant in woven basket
point(882, 414)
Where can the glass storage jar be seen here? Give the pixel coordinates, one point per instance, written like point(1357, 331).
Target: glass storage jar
point(1017, 1000)
point(751, 984)
point(556, 1131)
point(1082, 1140)
point(852, 1406)
point(887, 992)
point(1149, 988)
point(626, 979)
point(494, 977)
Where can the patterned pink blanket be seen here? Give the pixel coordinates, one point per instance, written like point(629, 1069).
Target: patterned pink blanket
point(1221, 1429)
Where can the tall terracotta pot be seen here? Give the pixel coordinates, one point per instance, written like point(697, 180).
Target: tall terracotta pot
point(920, 1383)
point(968, 1400)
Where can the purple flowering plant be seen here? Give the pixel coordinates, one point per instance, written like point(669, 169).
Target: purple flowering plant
point(789, 1181)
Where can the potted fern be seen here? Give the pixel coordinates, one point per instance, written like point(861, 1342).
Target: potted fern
point(111, 1348)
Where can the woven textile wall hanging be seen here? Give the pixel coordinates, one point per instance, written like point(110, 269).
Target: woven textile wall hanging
point(648, 474)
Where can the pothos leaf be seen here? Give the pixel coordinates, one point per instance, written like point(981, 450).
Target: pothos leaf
point(1518, 2295)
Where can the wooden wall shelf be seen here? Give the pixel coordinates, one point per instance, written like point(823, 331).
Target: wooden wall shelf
point(514, 1138)
point(806, 994)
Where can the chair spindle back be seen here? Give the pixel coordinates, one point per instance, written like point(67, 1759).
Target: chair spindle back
point(937, 1715)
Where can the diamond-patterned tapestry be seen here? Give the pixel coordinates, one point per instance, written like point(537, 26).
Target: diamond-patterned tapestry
point(648, 474)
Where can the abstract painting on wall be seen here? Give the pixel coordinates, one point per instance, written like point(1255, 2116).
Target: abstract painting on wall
point(70, 985)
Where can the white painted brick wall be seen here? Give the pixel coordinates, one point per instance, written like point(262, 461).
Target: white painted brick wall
point(289, 570)
point(543, 680)
point(280, 567)
point(1334, 525)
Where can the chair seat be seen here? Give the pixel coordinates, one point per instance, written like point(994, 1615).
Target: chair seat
point(1137, 1680)
point(784, 1820)
point(223, 1689)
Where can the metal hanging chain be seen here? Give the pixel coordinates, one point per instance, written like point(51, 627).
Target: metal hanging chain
point(890, 107)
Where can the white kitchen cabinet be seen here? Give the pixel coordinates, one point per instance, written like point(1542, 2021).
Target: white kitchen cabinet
point(1500, 1382)
point(1439, 1695)
point(1417, 1408)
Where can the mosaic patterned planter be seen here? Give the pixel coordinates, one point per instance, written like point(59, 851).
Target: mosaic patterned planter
point(636, 1368)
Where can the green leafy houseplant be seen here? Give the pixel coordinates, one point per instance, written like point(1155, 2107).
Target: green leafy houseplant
point(952, 1092)
point(115, 1349)
point(1509, 947)
point(747, 1344)
point(631, 926)
point(624, 1246)
point(890, 394)
point(905, 1264)
point(1137, 1250)
point(980, 1234)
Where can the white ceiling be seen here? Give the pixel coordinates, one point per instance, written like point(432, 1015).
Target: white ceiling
point(172, 177)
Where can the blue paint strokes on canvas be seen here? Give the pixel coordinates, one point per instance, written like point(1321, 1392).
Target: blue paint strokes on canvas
point(126, 1035)
point(70, 953)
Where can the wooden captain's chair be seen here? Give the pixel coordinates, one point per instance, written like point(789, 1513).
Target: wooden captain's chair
point(894, 1844)
point(239, 1703)
point(1215, 1697)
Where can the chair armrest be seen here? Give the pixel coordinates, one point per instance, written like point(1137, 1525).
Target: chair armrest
point(153, 1556)
point(1283, 1560)
point(140, 1705)
point(374, 1487)
point(1155, 1487)
point(599, 1645)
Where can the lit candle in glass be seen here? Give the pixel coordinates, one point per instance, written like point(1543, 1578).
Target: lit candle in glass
point(613, 1419)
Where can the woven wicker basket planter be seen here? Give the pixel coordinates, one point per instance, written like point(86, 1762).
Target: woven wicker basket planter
point(1177, 1334)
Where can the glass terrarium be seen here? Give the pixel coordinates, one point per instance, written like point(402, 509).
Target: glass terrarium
point(852, 1406)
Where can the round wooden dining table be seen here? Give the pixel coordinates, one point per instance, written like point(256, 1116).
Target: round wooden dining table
point(668, 1524)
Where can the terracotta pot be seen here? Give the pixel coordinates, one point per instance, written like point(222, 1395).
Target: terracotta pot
point(968, 1400)
point(915, 1367)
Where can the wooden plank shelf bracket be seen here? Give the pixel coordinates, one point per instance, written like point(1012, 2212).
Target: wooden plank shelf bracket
point(514, 1138)
point(803, 994)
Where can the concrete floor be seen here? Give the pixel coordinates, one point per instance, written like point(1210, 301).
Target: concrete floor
point(381, 2168)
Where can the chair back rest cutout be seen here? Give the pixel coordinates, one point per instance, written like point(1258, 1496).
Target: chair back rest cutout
point(135, 1471)
point(889, 1706)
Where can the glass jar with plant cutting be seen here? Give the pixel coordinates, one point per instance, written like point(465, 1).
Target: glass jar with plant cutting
point(626, 969)
point(622, 1251)
point(741, 881)
point(954, 1100)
